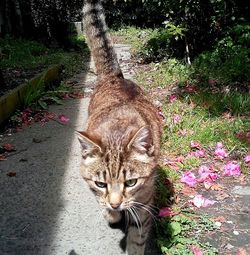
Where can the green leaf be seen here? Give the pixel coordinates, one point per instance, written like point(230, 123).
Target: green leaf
point(43, 104)
point(175, 228)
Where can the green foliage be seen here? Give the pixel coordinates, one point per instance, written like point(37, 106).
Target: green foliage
point(25, 54)
point(178, 233)
point(228, 62)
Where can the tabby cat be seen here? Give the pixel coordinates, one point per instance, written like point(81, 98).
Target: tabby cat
point(121, 143)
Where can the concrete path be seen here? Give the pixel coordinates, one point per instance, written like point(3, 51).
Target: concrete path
point(47, 209)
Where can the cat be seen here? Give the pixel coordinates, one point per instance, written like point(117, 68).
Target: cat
point(121, 143)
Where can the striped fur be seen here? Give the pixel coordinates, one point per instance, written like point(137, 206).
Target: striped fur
point(121, 144)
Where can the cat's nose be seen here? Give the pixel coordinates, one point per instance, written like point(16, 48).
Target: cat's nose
point(115, 205)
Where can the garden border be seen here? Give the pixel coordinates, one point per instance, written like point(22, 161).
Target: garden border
point(15, 97)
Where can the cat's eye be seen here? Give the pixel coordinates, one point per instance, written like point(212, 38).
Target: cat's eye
point(101, 184)
point(130, 183)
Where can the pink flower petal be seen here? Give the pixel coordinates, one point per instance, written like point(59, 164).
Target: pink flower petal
point(195, 145)
point(247, 158)
point(189, 179)
point(232, 169)
point(199, 154)
point(220, 153)
point(176, 119)
point(206, 174)
point(63, 119)
point(165, 212)
point(172, 98)
point(199, 201)
point(196, 250)
point(219, 145)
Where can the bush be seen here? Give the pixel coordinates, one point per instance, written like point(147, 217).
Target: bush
point(229, 61)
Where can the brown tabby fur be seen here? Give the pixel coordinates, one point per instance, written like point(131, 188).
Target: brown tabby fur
point(121, 144)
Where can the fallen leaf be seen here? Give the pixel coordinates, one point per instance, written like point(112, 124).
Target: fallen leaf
point(188, 191)
point(196, 250)
point(221, 196)
point(217, 187)
point(219, 219)
point(11, 174)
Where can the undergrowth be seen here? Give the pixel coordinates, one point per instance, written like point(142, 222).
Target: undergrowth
point(210, 104)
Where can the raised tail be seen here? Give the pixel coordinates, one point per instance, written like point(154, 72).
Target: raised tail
point(99, 40)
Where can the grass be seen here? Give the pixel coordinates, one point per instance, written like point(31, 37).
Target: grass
point(206, 111)
point(26, 54)
point(30, 55)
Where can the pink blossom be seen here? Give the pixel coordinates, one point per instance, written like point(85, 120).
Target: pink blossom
point(189, 179)
point(176, 119)
point(220, 152)
point(232, 169)
point(199, 201)
point(219, 145)
point(165, 212)
point(247, 158)
point(199, 154)
point(172, 98)
point(195, 145)
point(207, 175)
point(63, 119)
point(196, 250)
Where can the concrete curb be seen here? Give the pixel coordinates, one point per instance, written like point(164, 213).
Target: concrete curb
point(15, 98)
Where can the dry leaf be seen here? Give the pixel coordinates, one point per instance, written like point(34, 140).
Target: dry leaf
point(11, 174)
point(187, 191)
point(217, 187)
point(219, 219)
point(221, 196)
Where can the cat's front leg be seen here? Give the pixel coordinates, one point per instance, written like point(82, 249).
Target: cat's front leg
point(137, 237)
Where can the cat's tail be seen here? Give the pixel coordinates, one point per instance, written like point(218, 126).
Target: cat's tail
point(99, 40)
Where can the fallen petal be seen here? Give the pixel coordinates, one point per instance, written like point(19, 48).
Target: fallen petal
point(196, 250)
point(8, 147)
point(195, 145)
point(232, 169)
point(199, 201)
point(220, 153)
point(189, 179)
point(165, 212)
point(172, 98)
point(247, 158)
point(63, 119)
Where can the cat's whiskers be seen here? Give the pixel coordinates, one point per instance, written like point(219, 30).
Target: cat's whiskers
point(146, 208)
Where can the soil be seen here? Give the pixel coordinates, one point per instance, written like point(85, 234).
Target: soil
point(13, 77)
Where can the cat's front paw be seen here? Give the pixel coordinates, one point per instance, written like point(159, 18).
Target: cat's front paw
point(112, 216)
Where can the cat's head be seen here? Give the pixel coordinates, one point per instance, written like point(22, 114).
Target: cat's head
point(120, 169)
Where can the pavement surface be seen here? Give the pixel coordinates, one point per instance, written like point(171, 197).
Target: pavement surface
point(47, 208)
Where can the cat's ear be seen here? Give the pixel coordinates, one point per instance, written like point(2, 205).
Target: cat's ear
point(142, 141)
point(90, 147)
